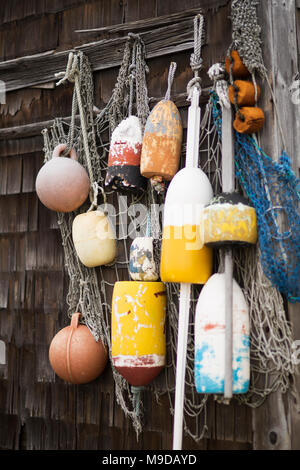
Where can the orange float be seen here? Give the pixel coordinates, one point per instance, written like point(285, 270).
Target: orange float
point(239, 70)
point(162, 143)
point(244, 92)
point(252, 121)
point(74, 354)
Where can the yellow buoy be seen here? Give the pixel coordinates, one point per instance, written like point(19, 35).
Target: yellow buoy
point(229, 219)
point(138, 337)
point(94, 239)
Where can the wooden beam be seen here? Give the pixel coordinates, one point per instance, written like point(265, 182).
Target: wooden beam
point(37, 69)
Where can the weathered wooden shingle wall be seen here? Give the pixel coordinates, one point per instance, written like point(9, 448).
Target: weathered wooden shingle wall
point(37, 409)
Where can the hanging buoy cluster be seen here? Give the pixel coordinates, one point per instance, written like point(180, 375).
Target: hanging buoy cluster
point(243, 94)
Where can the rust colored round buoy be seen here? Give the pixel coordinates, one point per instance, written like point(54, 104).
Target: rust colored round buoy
point(253, 121)
point(62, 184)
point(245, 95)
point(74, 354)
point(239, 70)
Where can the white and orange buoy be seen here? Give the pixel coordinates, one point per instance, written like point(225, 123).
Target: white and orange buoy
point(138, 333)
point(62, 184)
point(184, 258)
point(123, 170)
point(210, 339)
point(94, 238)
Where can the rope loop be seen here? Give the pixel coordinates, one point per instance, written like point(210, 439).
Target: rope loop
point(172, 71)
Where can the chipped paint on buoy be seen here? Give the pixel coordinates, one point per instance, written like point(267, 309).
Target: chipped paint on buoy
point(125, 155)
point(138, 335)
point(184, 258)
point(210, 339)
point(229, 220)
point(162, 142)
point(142, 266)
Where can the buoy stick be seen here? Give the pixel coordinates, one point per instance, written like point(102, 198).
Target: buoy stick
point(192, 156)
point(228, 187)
point(183, 326)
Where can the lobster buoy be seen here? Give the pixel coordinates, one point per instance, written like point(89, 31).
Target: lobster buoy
point(138, 334)
point(94, 239)
point(125, 155)
point(251, 121)
point(229, 219)
point(74, 354)
point(142, 266)
point(239, 70)
point(184, 259)
point(244, 92)
point(62, 184)
point(210, 339)
point(162, 143)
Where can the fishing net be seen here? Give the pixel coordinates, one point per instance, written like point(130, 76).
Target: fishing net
point(270, 333)
point(90, 289)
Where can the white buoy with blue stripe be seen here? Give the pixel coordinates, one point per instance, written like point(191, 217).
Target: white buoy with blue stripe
point(210, 339)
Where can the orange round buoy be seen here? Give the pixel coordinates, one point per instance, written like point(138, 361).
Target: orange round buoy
point(245, 94)
point(162, 143)
point(62, 184)
point(74, 354)
point(254, 119)
point(239, 70)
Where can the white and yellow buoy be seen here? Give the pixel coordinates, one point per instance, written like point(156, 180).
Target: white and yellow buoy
point(229, 220)
point(184, 258)
point(138, 334)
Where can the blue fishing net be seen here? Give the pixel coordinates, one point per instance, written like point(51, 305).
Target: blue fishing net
point(274, 191)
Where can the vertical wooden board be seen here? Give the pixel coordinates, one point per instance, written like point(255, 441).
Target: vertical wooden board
point(9, 432)
point(31, 165)
point(4, 286)
point(87, 16)
point(53, 292)
point(49, 251)
point(31, 251)
point(5, 243)
point(3, 176)
point(33, 214)
point(139, 10)
point(34, 35)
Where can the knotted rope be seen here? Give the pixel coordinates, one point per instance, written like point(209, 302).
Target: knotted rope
point(196, 61)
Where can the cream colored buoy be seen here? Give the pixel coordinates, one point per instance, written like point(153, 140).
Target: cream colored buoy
point(184, 258)
point(138, 334)
point(94, 239)
point(210, 339)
